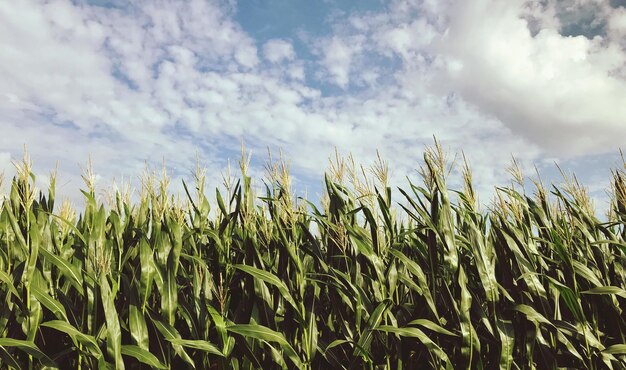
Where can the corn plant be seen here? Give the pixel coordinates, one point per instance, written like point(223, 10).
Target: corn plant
point(429, 279)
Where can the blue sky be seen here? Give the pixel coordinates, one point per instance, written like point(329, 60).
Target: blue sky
point(130, 83)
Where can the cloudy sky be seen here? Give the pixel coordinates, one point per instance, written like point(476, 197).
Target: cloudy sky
point(136, 82)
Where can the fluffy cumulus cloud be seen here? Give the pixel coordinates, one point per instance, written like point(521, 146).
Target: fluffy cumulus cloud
point(553, 72)
point(132, 83)
point(337, 57)
point(564, 91)
point(616, 25)
point(277, 50)
point(128, 85)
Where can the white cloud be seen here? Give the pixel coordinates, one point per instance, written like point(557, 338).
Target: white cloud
point(616, 25)
point(406, 39)
point(278, 50)
point(337, 57)
point(164, 80)
point(188, 78)
point(560, 92)
point(82, 80)
point(509, 59)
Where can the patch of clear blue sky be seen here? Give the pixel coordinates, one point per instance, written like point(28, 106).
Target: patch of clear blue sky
point(267, 19)
point(299, 21)
point(104, 3)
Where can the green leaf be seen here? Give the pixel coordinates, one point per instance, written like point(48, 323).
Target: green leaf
point(271, 279)
point(532, 315)
point(616, 349)
point(263, 333)
point(35, 240)
point(374, 321)
point(507, 339)
point(432, 326)
point(226, 340)
point(411, 332)
point(169, 296)
point(8, 359)
point(76, 335)
point(422, 281)
point(28, 347)
point(335, 343)
point(5, 278)
point(148, 270)
point(114, 332)
point(170, 333)
point(142, 356)
point(69, 271)
point(197, 344)
point(138, 327)
point(220, 202)
point(257, 332)
point(50, 303)
point(607, 290)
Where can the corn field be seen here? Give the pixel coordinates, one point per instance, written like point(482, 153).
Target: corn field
point(360, 281)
